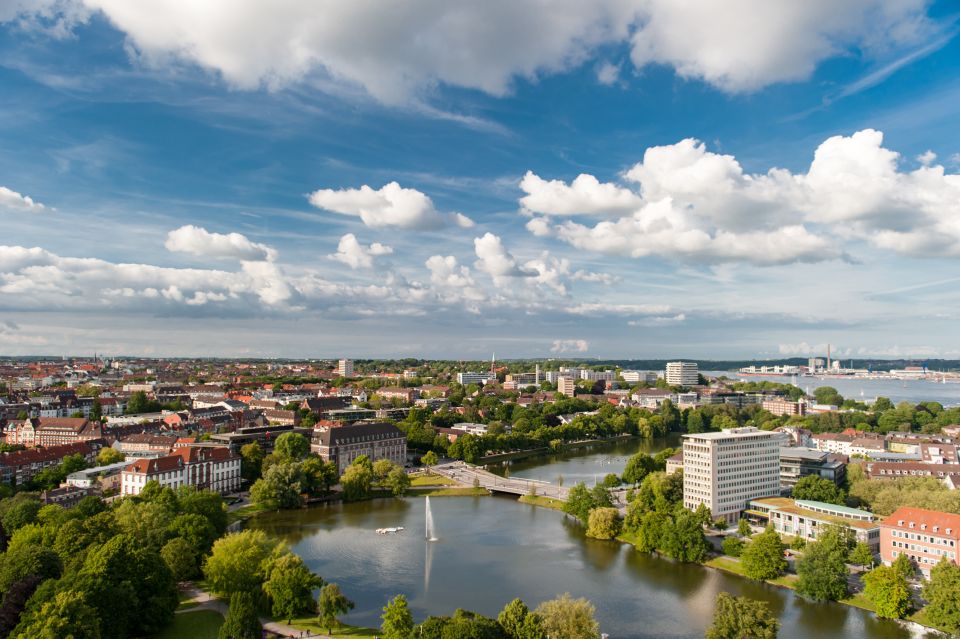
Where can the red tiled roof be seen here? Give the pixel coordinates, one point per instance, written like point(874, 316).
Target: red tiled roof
point(155, 465)
point(36, 455)
point(919, 517)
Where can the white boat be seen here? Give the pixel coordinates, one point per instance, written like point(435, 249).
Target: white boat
point(387, 531)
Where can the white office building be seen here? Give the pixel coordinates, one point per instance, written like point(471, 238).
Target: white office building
point(633, 377)
point(345, 368)
point(682, 374)
point(474, 378)
point(726, 470)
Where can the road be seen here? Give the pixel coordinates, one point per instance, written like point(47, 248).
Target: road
point(473, 475)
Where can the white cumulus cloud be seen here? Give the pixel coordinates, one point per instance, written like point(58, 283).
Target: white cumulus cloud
point(570, 346)
point(199, 241)
point(355, 255)
point(390, 206)
point(12, 200)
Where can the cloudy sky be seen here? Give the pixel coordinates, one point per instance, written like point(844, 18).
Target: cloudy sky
point(447, 178)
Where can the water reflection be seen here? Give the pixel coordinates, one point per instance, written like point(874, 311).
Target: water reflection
point(494, 549)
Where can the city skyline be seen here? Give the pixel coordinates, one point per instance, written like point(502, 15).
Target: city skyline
point(448, 180)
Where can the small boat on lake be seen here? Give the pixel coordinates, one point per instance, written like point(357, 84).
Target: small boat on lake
point(387, 531)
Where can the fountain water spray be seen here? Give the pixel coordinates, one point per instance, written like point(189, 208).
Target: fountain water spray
point(431, 532)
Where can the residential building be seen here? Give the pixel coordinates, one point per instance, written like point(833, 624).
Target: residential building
point(65, 496)
point(807, 519)
point(867, 446)
point(925, 536)
point(598, 376)
point(675, 463)
point(796, 462)
point(682, 374)
point(19, 467)
point(783, 406)
point(635, 377)
point(213, 468)
point(102, 477)
point(343, 444)
point(406, 395)
point(52, 431)
point(937, 453)
point(566, 386)
point(833, 442)
point(725, 470)
point(886, 470)
point(282, 417)
point(146, 445)
point(345, 368)
point(475, 378)
point(470, 428)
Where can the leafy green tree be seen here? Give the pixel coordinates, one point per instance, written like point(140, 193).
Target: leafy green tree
point(398, 482)
point(888, 591)
point(15, 601)
point(66, 616)
point(743, 528)
point(242, 621)
point(397, 620)
point(942, 593)
point(289, 584)
point(682, 537)
point(382, 468)
point(356, 481)
point(236, 562)
point(881, 404)
point(638, 466)
point(600, 497)
point(251, 461)
point(429, 459)
point(861, 555)
point(195, 530)
point(579, 502)
point(108, 456)
point(465, 624)
point(206, 503)
point(280, 487)
point(332, 603)
point(763, 558)
point(18, 511)
point(904, 566)
point(732, 546)
point(603, 523)
point(569, 618)
point(828, 395)
point(181, 558)
point(518, 622)
point(703, 514)
point(822, 570)
point(144, 521)
point(21, 561)
point(742, 618)
point(815, 488)
point(291, 446)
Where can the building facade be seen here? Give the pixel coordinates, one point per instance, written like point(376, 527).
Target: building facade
point(682, 374)
point(343, 444)
point(925, 536)
point(796, 462)
point(213, 468)
point(807, 519)
point(726, 470)
point(345, 368)
point(566, 386)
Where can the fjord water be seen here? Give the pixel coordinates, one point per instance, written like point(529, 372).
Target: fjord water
point(492, 549)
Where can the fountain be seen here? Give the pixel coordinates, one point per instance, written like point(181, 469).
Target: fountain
point(431, 532)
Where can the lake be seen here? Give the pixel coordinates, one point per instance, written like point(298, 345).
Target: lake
point(492, 549)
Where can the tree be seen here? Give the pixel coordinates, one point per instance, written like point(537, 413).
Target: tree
point(235, 564)
point(397, 620)
point(66, 615)
point(603, 523)
point(861, 555)
point(280, 487)
point(518, 622)
point(356, 481)
point(732, 546)
point(251, 461)
point(904, 566)
point(815, 488)
point(429, 459)
point(18, 511)
point(743, 528)
point(96, 411)
point(703, 514)
point(181, 558)
point(242, 621)
point(888, 591)
point(196, 530)
point(398, 481)
point(108, 456)
point(332, 603)
point(289, 584)
point(15, 601)
point(742, 618)
point(828, 395)
point(941, 593)
point(638, 466)
point(569, 618)
point(579, 502)
point(21, 561)
point(291, 446)
point(763, 558)
point(822, 570)
point(682, 537)
point(382, 468)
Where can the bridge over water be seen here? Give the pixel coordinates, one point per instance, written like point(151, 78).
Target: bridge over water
point(472, 475)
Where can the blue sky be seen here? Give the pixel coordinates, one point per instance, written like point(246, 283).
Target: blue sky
point(320, 179)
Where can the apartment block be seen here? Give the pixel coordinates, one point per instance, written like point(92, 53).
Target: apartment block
point(566, 386)
point(807, 519)
point(682, 374)
point(726, 470)
point(925, 536)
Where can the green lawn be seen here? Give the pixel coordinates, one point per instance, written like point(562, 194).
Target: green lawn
point(732, 565)
point(429, 479)
point(199, 624)
point(544, 502)
point(859, 600)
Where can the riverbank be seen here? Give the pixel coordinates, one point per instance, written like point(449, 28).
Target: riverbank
point(546, 450)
